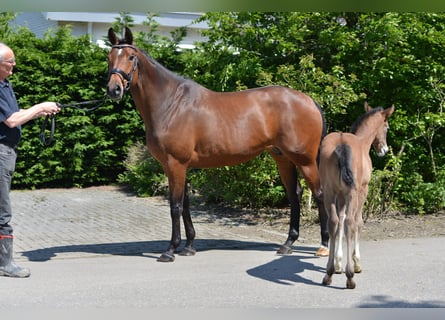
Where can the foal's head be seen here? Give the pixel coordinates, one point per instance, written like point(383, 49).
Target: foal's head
point(379, 144)
point(122, 64)
point(375, 121)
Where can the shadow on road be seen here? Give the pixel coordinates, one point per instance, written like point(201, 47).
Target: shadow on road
point(287, 270)
point(383, 301)
point(140, 248)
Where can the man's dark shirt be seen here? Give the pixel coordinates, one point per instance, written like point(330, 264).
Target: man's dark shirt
point(8, 105)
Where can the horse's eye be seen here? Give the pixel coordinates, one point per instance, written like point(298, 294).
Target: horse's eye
point(131, 58)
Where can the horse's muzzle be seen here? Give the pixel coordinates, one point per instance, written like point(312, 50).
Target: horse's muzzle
point(115, 91)
point(382, 150)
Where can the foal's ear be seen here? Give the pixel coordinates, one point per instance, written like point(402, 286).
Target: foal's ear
point(112, 37)
point(367, 107)
point(389, 111)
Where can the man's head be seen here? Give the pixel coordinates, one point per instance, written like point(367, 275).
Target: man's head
point(7, 61)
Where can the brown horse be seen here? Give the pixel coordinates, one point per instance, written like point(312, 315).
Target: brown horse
point(345, 171)
point(189, 126)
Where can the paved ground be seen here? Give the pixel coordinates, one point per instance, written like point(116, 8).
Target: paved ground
point(97, 247)
point(71, 223)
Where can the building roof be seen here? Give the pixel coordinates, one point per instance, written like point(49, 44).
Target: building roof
point(40, 22)
point(169, 19)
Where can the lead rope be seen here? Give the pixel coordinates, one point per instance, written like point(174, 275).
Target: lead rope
point(52, 118)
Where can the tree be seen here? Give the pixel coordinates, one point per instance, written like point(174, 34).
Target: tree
point(341, 59)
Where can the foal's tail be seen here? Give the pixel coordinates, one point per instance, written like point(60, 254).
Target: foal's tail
point(344, 156)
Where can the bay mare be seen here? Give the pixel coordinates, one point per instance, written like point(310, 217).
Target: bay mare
point(345, 172)
point(189, 126)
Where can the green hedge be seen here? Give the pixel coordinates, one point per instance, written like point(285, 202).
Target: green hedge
point(89, 147)
point(340, 59)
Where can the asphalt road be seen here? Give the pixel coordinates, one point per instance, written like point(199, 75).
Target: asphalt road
point(97, 248)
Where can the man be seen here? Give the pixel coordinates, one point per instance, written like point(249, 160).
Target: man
point(11, 119)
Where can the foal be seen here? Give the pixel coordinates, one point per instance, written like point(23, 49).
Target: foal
point(345, 171)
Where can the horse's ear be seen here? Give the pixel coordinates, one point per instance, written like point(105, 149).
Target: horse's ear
point(112, 37)
point(367, 107)
point(389, 111)
point(128, 36)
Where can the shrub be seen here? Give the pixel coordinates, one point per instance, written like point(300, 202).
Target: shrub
point(423, 197)
point(253, 184)
point(143, 174)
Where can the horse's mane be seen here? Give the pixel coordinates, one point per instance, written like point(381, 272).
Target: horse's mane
point(157, 64)
point(362, 118)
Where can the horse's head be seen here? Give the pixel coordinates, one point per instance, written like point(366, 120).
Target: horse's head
point(122, 63)
point(379, 144)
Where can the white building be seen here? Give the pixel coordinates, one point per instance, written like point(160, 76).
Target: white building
point(96, 24)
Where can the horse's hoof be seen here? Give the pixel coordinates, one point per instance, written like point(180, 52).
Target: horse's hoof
point(327, 280)
point(322, 252)
point(188, 252)
point(338, 269)
point(350, 284)
point(357, 269)
point(284, 250)
point(166, 257)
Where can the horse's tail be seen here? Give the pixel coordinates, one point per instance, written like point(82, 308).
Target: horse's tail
point(344, 156)
point(323, 130)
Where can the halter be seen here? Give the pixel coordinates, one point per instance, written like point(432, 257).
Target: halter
point(123, 74)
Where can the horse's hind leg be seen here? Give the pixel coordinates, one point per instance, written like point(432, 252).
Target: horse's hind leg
point(359, 224)
point(333, 231)
point(350, 232)
point(323, 218)
point(311, 175)
point(289, 177)
point(338, 254)
point(356, 252)
point(188, 250)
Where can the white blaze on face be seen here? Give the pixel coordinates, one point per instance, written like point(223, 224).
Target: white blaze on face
point(119, 52)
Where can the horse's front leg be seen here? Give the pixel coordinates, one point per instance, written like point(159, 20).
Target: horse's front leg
point(188, 250)
point(175, 213)
point(176, 181)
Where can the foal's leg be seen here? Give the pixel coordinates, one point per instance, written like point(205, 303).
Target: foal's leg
point(289, 177)
point(350, 233)
point(356, 253)
point(176, 180)
point(188, 250)
point(359, 224)
point(338, 254)
point(333, 230)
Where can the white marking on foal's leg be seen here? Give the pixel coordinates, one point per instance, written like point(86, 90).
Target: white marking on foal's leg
point(339, 246)
point(356, 255)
